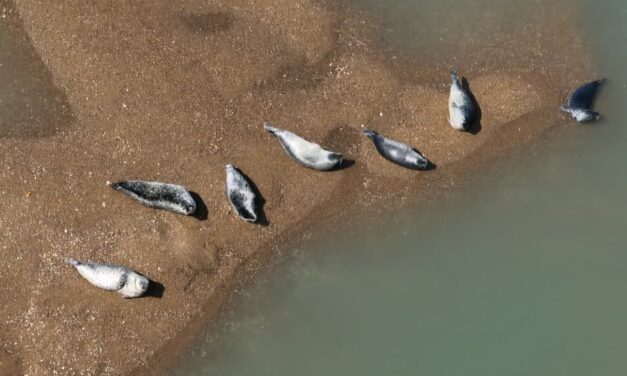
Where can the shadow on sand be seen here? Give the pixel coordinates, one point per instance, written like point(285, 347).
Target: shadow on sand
point(475, 127)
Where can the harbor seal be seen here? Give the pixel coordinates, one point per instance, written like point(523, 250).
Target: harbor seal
point(579, 102)
point(304, 152)
point(397, 152)
point(461, 107)
point(120, 279)
point(240, 194)
point(158, 195)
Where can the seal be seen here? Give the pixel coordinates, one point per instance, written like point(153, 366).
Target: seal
point(399, 153)
point(304, 152)
point(579, 102)
point(461, 107)
point(240, 194)
point(120, 279)
point(158, 195)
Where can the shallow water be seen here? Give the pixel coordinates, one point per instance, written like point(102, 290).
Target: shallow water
point(524, 274)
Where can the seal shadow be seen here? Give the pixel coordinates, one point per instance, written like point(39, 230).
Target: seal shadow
point(155, 289)
point(346, 163)
point(475, 127)
point(262, 220)
point(201, 213)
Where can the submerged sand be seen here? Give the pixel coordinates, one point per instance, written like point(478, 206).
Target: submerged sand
point(174, 91)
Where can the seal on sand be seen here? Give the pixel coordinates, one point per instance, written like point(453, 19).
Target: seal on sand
point(304, 152)
point(397, 152)
point(240, 194)
point(461, 107)
point(579, 102)
point(158, 195)
point(120, 279)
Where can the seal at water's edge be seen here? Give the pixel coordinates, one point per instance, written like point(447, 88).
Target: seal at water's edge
point(579, 102)
point(240, 194)
point(304, 152)
point(158, 195)
point(461, 108)
point(399, 153)
point(120, 279)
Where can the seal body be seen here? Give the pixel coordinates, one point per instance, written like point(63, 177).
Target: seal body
point(120, 279)
point(158, 195)
point(240, 194)
point(397, 152)
point(304, 152)
point(461, 108)
point(579, 102)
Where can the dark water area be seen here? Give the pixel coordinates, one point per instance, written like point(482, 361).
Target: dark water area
point(30, 103)
point(523, 274)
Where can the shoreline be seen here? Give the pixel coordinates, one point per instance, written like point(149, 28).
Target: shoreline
point(120, 90)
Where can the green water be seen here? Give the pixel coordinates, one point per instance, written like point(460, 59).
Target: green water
point(525, 274)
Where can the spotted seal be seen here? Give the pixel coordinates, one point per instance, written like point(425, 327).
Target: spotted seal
point(240, 194)
point(397, 152)
point(158, 195)
point(304, 152)
point(461, 107)
point(579, 102)
point(120, 279)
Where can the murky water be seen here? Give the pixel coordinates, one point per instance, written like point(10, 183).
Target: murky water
point(525, 274)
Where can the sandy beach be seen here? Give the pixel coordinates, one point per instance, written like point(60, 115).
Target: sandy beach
point(173, 92)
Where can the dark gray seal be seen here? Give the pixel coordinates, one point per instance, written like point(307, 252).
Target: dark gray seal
point(397, 152)
point(579, 102)
point(461, 107)
point(120, 279)
point(240, 194)
point(304, 152)
point(158, 195)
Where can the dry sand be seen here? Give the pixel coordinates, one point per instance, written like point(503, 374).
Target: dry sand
point(173, 91)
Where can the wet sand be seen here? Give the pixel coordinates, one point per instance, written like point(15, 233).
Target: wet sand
point(174, 92)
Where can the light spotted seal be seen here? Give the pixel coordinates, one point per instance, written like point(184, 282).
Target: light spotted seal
point(120, 279)
point(240, 194)
point(579, 102)
point(304, 152)
point(461, 107)
point(397, 152)
point(158, 195)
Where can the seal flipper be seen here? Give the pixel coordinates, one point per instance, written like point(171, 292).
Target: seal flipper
point(455, 78)
point(370, 134)
point(73, 262)
point(272, 130)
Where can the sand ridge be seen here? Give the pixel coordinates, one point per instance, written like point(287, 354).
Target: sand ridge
point(173, 92)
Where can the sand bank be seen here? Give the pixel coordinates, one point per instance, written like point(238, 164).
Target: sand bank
point(173, 91)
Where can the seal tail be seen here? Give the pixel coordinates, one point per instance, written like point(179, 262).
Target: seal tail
point(370, 134)
point(72, 261)
point(272, 130)
point(114, 185)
